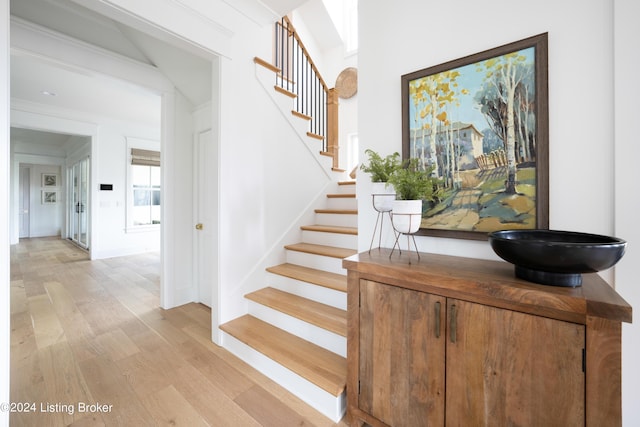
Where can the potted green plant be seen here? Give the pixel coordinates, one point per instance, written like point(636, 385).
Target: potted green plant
point(381, 168)
point(412, 184)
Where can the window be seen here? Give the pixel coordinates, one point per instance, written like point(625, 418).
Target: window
point(146, 194)
point(144, 189)
point(351, 26)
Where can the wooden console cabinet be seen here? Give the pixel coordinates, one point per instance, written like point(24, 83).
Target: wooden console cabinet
point(448, 341)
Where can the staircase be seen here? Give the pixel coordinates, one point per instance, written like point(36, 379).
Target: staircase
point(295, 330)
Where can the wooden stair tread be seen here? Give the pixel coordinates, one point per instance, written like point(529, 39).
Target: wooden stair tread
point(266, 64)
point(350, 182)
point(341, 196)
point(330, 251)
point(301, 115)
point(323, 278)
point(315, 135)
point(285, 91)
point(321, 315)
point(337, 211)
point(331, 229)
point(321, 367)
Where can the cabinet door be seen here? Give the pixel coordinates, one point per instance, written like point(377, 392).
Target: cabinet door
point(402, 354)
point(512, 369)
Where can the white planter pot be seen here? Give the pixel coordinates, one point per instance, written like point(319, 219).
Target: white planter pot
point(383, 195)
point(406, 215)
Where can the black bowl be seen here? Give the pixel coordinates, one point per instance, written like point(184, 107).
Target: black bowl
point(556, 258)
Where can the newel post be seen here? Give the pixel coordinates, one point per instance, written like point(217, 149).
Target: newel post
point(332, 125)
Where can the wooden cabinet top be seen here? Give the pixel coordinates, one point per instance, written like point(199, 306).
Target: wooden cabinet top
point(491, 283)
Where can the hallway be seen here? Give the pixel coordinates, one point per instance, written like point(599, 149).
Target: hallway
point(91, 332)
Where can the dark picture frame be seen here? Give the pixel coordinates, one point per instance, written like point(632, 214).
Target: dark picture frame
point(49, 180)
point(491, 175)
point(49, 197)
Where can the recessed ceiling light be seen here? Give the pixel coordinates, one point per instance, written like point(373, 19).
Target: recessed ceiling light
point(47, 93)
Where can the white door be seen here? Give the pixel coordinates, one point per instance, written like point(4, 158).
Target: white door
point(25, 202)
point(206, 239)
point(79, 206)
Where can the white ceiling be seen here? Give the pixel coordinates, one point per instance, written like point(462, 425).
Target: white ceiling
point(76, 91)
point(29, 141)
point(91, 93)
point(55, 140)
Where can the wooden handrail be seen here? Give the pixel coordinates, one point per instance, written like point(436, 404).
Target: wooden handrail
point(299, 77)
point(294, 34)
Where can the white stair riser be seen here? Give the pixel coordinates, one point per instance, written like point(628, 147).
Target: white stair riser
point(319, 262)
point(346, 189)
point(337, 240)
point(333, 407)
point(340, 220)
point(310, 291)
point(284, 102)
point(316, 145)
point(326, 339)
point(301, 125)
point(342, 203)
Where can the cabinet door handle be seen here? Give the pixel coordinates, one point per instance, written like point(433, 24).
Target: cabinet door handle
point(438, 319)
point(454, 323)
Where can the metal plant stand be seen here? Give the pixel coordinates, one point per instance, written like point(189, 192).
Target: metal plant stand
point(380, 218)
point(410, 236)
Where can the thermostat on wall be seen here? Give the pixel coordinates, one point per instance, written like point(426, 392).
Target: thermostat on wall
point(106, 187)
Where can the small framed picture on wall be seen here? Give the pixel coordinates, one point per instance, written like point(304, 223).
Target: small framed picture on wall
point(49, 197)
point(49, 180)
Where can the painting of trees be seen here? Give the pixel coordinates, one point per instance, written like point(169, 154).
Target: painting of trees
point(433, 97)
point(507, 99)
point(480, 124)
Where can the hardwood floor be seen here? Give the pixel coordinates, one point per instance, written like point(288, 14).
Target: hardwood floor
point(91, 333)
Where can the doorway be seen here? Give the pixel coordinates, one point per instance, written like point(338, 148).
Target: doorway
point(183, 91)
point(78, 204)
point(206, 240)
point(24, 203)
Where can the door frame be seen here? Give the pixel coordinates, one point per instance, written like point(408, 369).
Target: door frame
point(210, 226)
point(46, 123)
point(24, 191)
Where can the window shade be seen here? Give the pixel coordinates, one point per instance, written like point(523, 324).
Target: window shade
point(145, 157)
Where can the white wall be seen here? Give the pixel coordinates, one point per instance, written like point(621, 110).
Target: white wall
point(408, 35)
point(111, 237)
point(5, 294)
point(627, 204)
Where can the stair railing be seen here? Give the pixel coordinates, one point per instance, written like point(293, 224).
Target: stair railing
point(300, 77)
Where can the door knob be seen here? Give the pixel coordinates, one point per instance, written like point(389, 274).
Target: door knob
point(199, 226)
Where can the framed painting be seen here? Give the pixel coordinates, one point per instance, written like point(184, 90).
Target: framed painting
point(482, 123)
point(49, 180)
point(49, 197)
